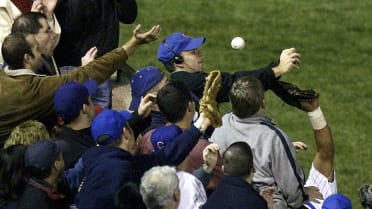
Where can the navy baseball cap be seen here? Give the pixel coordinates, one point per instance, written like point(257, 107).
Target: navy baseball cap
point(110, 123)
point(70, 97)
point(141, 82)
point(176, 43)
point(164, 135)
point(337, 201)
point(43, 153)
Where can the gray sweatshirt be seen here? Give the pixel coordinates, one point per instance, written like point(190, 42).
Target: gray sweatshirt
point(272, 165)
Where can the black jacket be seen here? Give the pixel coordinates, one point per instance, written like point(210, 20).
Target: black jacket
point(39, 194)
point(89, 23)
point(78, 141)
point(235, 193)
point(196, 81)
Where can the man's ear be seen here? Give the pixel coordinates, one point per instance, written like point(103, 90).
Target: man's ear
point(191, 106)
point(223, 169)
point(27, 58)
point(263, 104)
point(123, 135)
point(84, 109)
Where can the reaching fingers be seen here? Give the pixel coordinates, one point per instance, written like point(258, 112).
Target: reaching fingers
point(300, 146)
point(149, 98)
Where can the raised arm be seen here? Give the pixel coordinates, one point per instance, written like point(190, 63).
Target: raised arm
point(324, 157)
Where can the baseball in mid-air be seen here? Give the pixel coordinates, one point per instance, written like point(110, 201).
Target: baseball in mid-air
point(237, 43)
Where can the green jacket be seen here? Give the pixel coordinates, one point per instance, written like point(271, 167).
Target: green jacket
point(25, 95)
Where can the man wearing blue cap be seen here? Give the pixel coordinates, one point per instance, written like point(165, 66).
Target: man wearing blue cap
point(45, 163)
point(148, 80)
point(73, 104)
point(109, 166)
point(181, 56)
point(26, 95)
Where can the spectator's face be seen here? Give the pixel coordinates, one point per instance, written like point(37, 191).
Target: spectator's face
point(129, 135)
point(192, 60)
point(35, 60)
point(46, 38)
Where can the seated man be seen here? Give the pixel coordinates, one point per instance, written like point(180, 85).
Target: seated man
point(159, 188)
point(45, 163)
point(274, 154)
point(74, 106)
point(235, 189)
point(28, 96)
point(148, 80)
point(175, 102)
point(181, 55)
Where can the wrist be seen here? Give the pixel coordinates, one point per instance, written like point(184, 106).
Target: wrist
point(50, 17)
point(317, 119)
point(199, 126)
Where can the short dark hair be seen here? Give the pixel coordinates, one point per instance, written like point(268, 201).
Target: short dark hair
point(246, 96)
point(28, 23)
point(173, 100)
point(15, 46)
point(12, 173)
point(238, 160)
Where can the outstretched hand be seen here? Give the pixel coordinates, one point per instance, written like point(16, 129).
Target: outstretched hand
point(314, 194)
point(44, 6)
point(89, 56)
point(299, 146)
point(210, 157)
point(146, 37)
point(289, 59)
point(146, 105)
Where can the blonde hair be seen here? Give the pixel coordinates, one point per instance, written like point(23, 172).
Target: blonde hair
point(27, 133)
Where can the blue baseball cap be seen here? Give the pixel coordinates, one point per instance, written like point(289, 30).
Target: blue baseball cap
point(43, 153)
point(176, 43)
point(337, 201)
point(109, 122)
point(70, 97)
point(164, 135)
point(141, 82)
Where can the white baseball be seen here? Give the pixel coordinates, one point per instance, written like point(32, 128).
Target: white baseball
point(237, 43)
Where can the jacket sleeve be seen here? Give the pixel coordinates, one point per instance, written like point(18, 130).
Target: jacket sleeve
point(172, 154)
point(284, 174)
point(265, 75)
point(127, 11)
point(100, 69)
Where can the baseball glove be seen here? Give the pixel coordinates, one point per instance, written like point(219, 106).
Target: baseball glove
point(292, 95)
point(208, 104)
point(366, 196)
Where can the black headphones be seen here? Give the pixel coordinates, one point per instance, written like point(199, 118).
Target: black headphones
point(178, 59)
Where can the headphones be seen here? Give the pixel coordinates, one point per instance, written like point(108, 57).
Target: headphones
point(178, 59)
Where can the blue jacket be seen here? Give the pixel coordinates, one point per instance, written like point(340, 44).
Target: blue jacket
point(107, 168)
point(235, 193)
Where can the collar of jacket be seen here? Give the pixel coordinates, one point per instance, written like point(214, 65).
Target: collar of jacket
point(20, 72)
point(254, 119)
